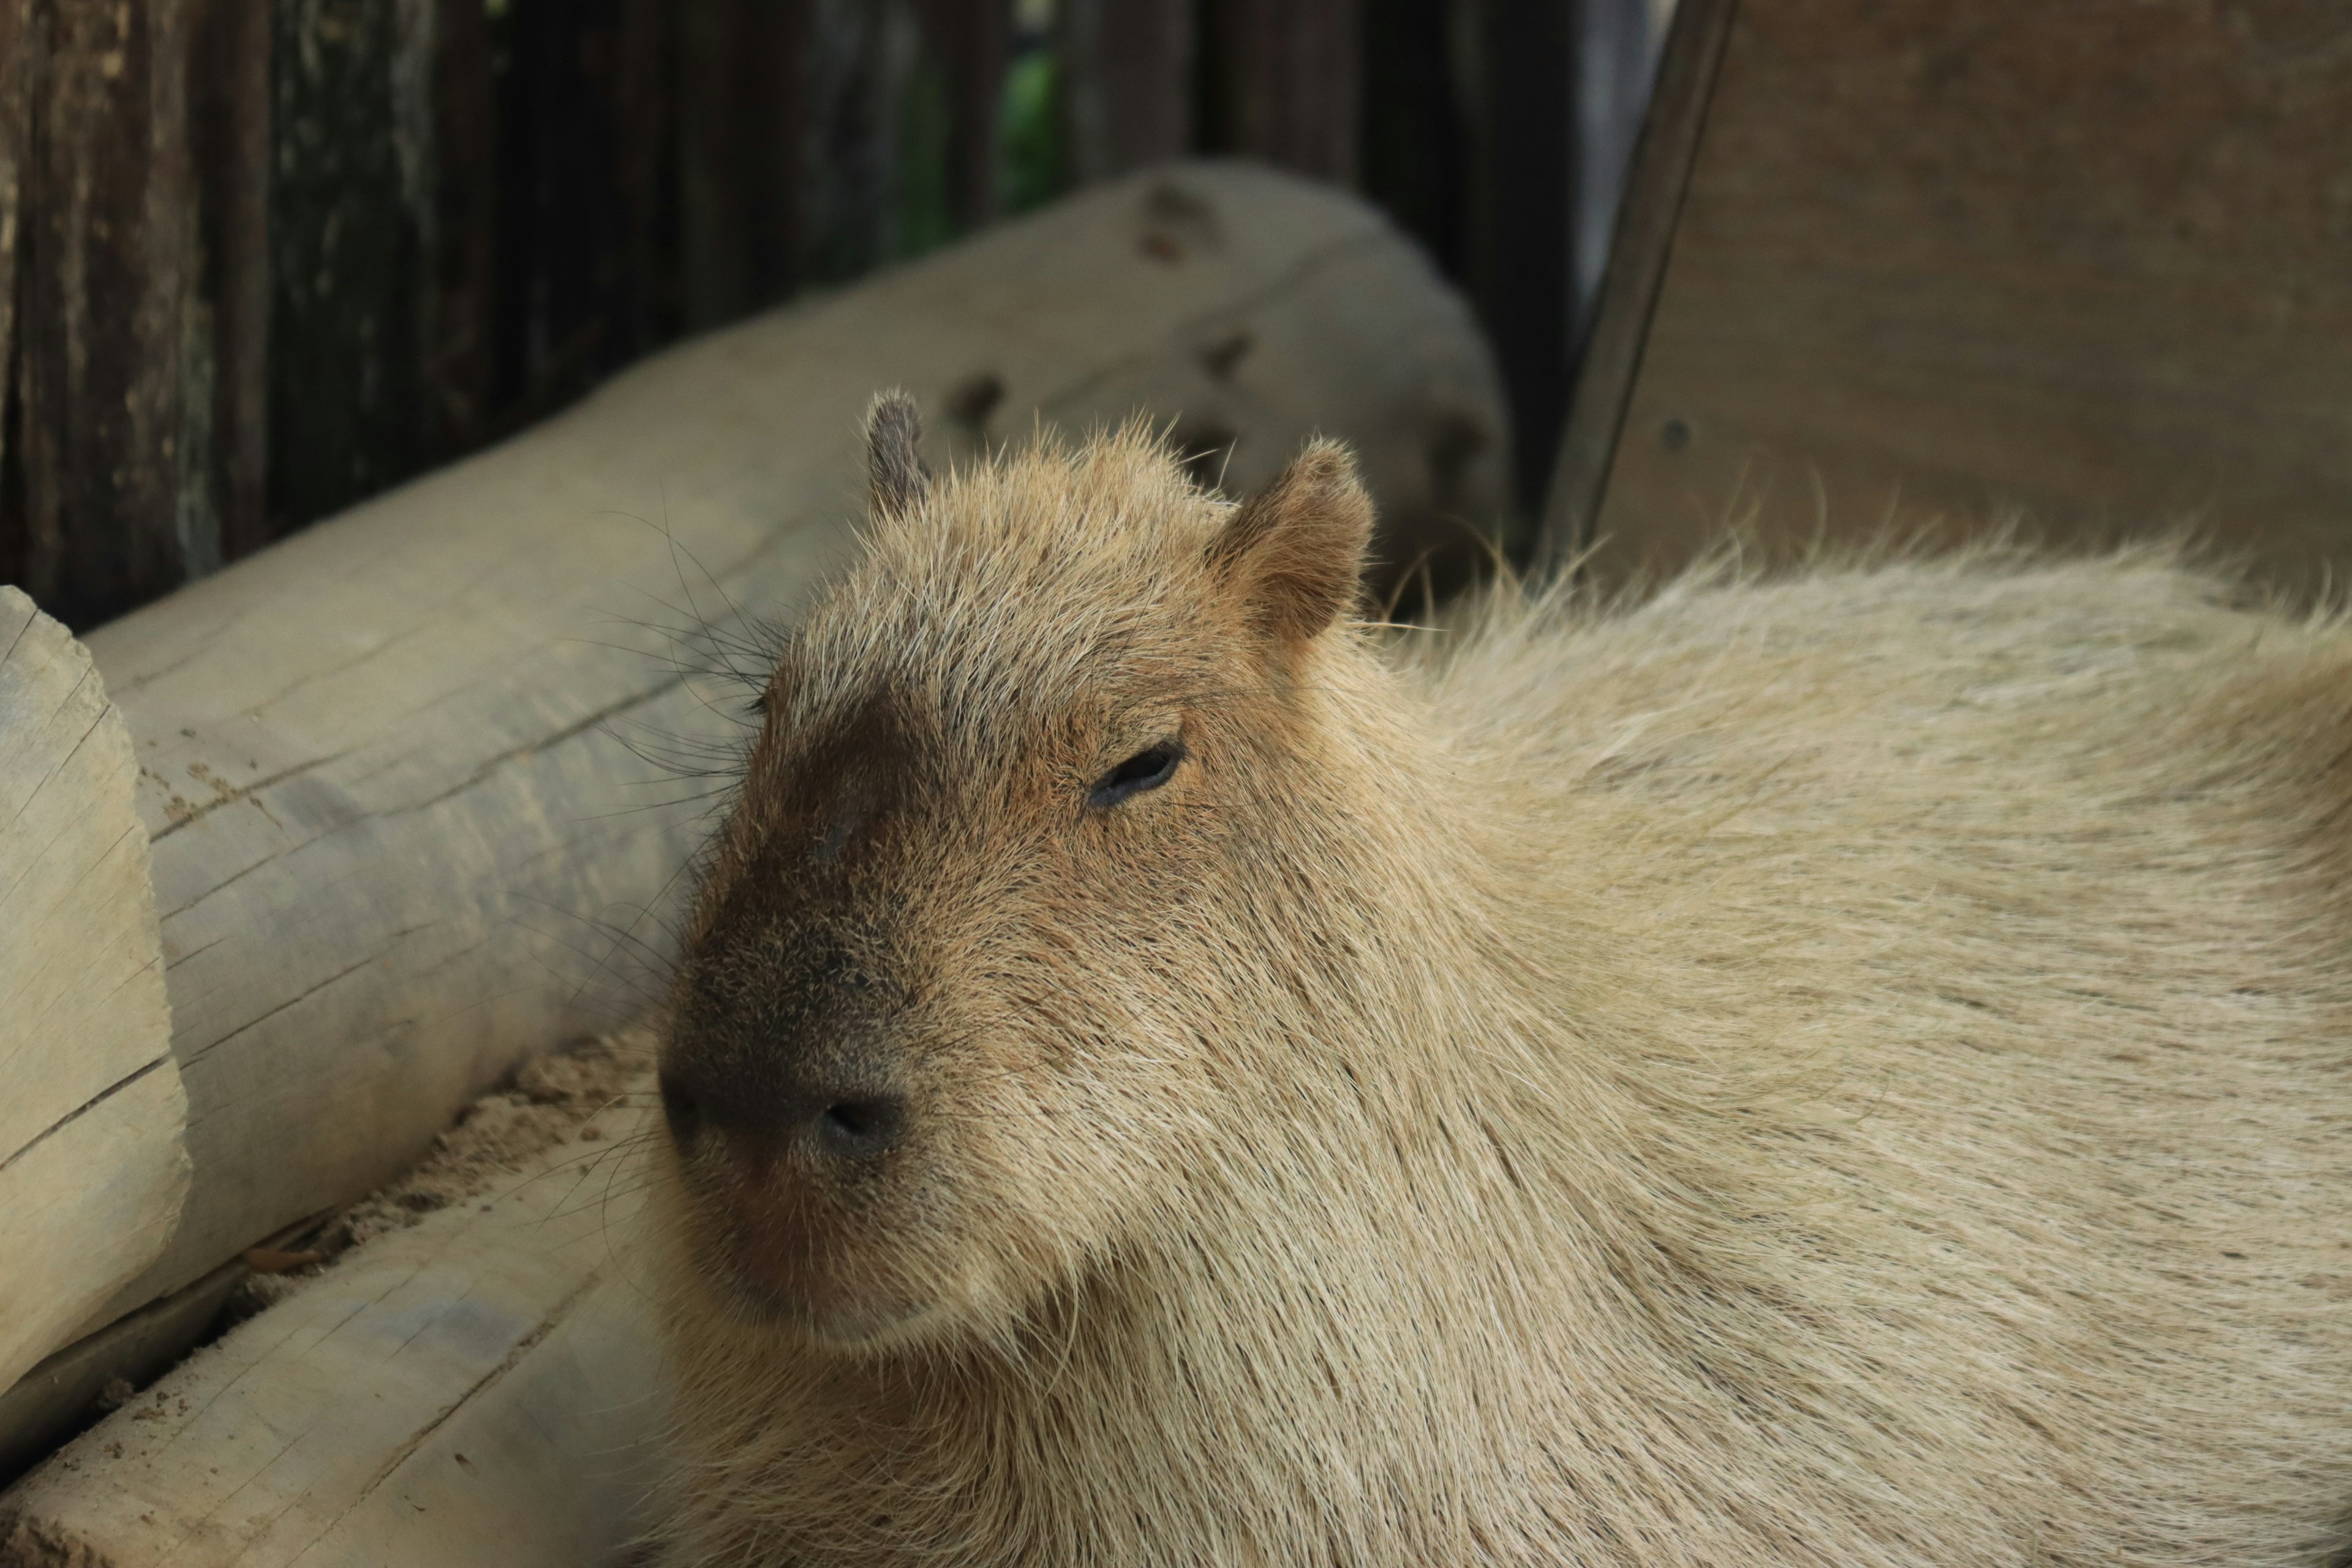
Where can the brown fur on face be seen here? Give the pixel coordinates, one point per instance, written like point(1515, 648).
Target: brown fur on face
point(1851, 1069)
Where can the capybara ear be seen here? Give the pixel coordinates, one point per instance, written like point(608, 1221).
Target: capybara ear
point(894, 426)
point(1295, 550)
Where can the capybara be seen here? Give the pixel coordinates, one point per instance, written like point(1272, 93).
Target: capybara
point(1844, 1068)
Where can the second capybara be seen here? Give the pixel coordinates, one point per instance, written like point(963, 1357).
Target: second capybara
point(1849, 1067)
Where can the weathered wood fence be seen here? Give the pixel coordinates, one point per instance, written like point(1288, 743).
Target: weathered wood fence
point(261, 258)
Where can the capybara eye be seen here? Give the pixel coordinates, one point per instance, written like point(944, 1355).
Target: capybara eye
point(1148, 769)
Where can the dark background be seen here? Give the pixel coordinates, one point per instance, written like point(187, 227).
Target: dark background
point(262, 259)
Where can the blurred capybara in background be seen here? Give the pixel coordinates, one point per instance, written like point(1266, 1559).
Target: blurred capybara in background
point(1852, 1068)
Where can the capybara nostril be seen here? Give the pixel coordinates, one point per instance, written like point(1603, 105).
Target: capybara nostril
point(857, 1126)
point(679, 1107)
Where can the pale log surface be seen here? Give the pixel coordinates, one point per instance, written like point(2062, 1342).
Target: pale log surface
point(93, 1170)
point(480, 1390)
point(391, 822)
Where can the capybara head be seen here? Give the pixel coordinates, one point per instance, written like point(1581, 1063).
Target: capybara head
point(951, 1019)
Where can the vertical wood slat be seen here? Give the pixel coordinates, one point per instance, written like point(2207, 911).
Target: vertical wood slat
point(1284, 82)
point(106, 300)
point(1519, 249)
point(1416, 153)
point(228, 109)
point(584, 283)
point(1126, 89)
point(349, 159)
point(1655, 185)
point(1615, 43)
point(972, 41)
point(17, 58)
point(459, 329)
point(742, 112)
point(862, 53)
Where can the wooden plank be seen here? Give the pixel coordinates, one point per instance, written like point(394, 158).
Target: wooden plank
point(460, 326)
point(1647, 224)
point(85, 1031)
point(1127, 84)
point(20, 54)
point(228, 111)
point(1284, 82)
point(742, 125)
point(971, 40)
point(350, 161)
point(583, 277)
point(1616, 51)
point(1417, 155)
point(482, 1388)
point(1522, 259)
point(107, 283)
point(2086, 262)
point(395, 839)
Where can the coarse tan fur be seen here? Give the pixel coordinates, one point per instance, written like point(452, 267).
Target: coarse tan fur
point(1843, 1068)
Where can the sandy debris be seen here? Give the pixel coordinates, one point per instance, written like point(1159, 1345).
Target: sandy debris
point(553, 1098)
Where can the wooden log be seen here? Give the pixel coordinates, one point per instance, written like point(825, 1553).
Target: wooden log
point(482, 1388)
point(51, 1402)
point(93, 1171)
point(393, 838)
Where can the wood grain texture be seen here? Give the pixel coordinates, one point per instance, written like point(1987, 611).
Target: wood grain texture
point(350, 232)
point(18, 54)
point(1522, 260)
point(969, 43)
point(42, 1408)
point(397, 842)
point(2090, 262)
point(1127, 91)
point(1284, 82)
point(1655, 188)
point(585, 283)
point(480, 1389)
point(229, 110)
point(92, 1169)
point(113, 418)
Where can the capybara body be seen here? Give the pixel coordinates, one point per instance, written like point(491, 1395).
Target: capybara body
point(1843, 1068)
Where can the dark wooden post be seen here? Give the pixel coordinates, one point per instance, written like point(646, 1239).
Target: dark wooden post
point(114, 378)
point(459, 327)
point(972, 41)
point(17, 62)
point(1284, 82)
point(351, 139)
point(228, 107)
point(1520, 250)
point(742, 110)
point(1416, 153)
point(585, 276)
point(1127, 85)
